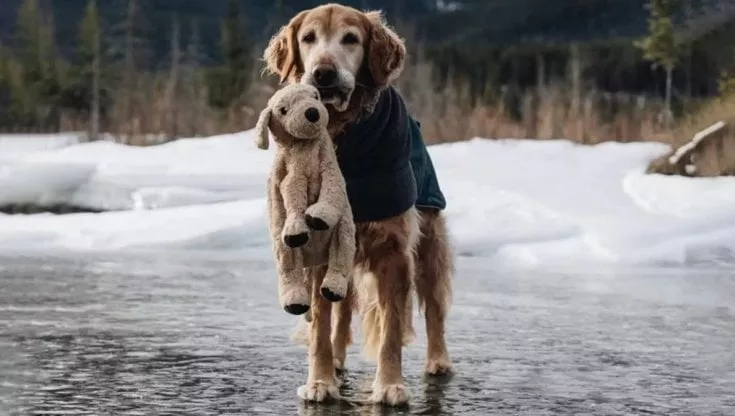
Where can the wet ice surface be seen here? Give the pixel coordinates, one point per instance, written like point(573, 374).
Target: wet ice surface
point(157, 336)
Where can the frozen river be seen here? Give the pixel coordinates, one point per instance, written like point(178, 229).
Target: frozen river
point(168, 336)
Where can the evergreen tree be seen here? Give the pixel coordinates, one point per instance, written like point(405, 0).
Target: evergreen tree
point(37, 95)
point(661, 46)
point(230, 81)
point(27, 45)
point(88, 64)
point(4, 87)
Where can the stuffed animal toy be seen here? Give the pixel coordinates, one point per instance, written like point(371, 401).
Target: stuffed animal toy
point(310, 218)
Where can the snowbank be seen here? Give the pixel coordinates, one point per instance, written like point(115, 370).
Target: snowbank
point(534, 203)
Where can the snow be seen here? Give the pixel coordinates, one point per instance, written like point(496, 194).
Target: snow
point(521, 202)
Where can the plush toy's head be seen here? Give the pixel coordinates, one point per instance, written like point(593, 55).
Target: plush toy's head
point(295, 111)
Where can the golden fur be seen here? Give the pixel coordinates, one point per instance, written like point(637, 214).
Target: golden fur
point(310, 219)
point(394, 257)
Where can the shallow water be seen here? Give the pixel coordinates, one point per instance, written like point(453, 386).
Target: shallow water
point(167, 336)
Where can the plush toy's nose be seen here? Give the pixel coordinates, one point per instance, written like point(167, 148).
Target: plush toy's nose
point(312, 114)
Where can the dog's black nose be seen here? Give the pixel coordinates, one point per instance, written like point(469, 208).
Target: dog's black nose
point(312, 114)
point(325, 75)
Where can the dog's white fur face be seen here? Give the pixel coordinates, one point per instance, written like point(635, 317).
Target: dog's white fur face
point(340, 48)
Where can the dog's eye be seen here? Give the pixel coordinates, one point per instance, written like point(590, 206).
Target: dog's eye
point(316, 95)
point(283, 110)
point(309, 37)
point(350, 39)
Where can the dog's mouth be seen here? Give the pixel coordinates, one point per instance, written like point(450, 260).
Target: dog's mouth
point(335, 96)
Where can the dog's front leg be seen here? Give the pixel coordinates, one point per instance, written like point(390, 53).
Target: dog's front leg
point(322, 383)
point(295, 199)
point(341, 328)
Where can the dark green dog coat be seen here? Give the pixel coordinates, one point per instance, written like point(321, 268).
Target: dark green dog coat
point(385, 163)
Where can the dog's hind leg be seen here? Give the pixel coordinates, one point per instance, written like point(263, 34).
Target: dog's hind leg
point(434, 267)
point(321, 383)
point(386, 254)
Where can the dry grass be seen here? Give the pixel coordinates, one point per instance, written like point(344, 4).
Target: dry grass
point(157, 113)
point(551, 112)
point(716, 155)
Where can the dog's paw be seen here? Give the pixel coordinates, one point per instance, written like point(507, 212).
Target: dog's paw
point(319, 391)
point(321, 216)
point(392, 395)
point(295, 232)
point(438, 367)
point(339, 365)
point(334, 286)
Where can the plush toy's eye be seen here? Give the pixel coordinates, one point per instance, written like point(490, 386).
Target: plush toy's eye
point(316, 95)
point(283, 110)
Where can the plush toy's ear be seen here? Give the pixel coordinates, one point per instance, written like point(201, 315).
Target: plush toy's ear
point(261, 128)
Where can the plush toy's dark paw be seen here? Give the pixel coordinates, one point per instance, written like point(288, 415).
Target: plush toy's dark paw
point(296, 240)
point(316, 223)
point(296, 309)
point(330, 296)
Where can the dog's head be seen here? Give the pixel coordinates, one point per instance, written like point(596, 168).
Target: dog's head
point(336, 49)
point(294, 111)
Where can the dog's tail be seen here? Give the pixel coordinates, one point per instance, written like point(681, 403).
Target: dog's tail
point(372, 323)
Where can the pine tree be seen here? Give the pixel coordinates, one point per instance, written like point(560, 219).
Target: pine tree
point(193, 80)
point(4, 87)
point(27, 44)
point(174, 82)
point(229, 82)
point(661, 46)
point(89, 66)
point(38, 94)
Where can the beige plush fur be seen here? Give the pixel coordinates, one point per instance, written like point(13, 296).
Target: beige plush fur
point(310, 219)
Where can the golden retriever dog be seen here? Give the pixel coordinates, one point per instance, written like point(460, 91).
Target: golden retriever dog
point(352, 57)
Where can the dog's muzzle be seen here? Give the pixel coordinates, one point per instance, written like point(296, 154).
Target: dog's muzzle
point(325, 76)
point(326, 79)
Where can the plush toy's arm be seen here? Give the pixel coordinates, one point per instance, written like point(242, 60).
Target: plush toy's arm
point(333, 183)
point(332, 201)
point(294, 191)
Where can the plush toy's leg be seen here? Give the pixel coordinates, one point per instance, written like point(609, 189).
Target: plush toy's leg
point(293, 290)
point(295, 230)
point(341, 261)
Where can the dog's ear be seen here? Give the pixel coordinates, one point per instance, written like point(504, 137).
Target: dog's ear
point(281, 56)
point(262, 129)
point(386, 51)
